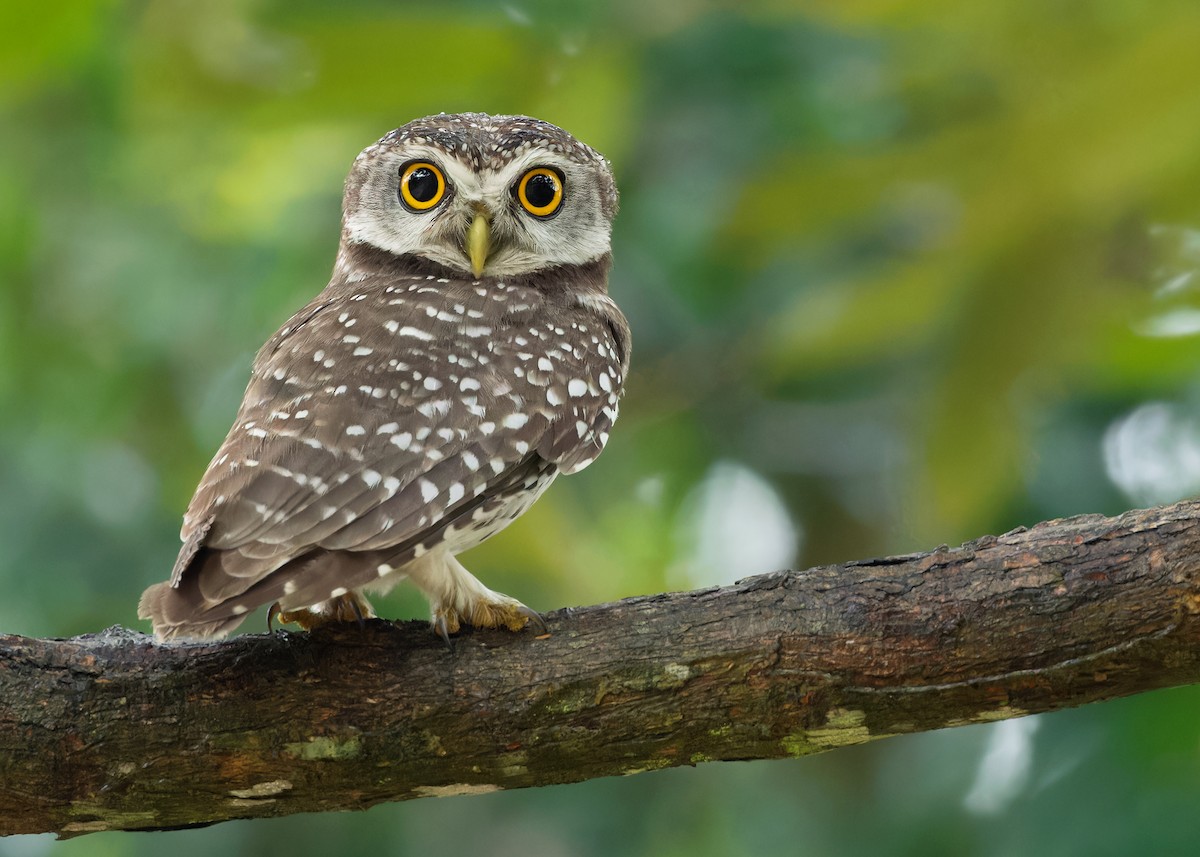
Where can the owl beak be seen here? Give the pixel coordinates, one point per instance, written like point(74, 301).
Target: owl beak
point(479, 243)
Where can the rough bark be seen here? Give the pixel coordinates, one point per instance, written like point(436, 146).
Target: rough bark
point(111, 731)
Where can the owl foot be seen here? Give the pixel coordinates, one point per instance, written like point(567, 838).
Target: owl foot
point(503, 612)
point(458, 598)
point(349, 607)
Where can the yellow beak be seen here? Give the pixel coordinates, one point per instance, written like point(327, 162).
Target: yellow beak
point(479, 243)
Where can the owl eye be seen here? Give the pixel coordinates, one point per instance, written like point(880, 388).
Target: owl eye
point(422, 186)
point(540, 191)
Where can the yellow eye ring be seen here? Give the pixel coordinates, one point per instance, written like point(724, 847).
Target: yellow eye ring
point(540, 191)
point(422, 186)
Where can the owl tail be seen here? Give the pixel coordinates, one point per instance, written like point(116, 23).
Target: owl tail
point(173, 616)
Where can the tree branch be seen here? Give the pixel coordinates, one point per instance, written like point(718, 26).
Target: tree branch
point(111, 731)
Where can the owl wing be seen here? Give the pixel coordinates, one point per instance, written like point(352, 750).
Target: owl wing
point(429, 431)
point(585, 388)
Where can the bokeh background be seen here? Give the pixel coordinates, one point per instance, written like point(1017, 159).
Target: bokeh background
point(899, 274)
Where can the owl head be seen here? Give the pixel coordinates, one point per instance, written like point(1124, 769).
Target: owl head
point(482, 195)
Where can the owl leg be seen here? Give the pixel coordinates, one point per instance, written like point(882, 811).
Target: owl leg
point(457, 597)
point(348, 607)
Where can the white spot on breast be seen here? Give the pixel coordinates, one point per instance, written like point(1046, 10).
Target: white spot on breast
point(470, 460)
point(372, 477)
point(386, 428)
point(355, 430)
point(469, 384)
point(605, 382)
point(350, 339)
point(432, 410)
point(416, 333)
point(391, 326)
point(454, 493)
point(554, 397)
point(429, 490)
point(514, 421)
point(432, 384)
point(581, 427)
point(403, 440)
point(545, 365)
point(363, 351)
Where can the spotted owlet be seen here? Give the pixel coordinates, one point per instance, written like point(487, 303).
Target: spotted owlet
point(464, 353)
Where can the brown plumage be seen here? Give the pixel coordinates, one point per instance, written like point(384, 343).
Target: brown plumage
point(414, 408)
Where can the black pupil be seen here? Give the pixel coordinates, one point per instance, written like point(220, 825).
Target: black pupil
point(540, 190)
point(422, 184)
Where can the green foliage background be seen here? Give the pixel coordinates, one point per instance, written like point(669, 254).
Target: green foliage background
point(899, 273)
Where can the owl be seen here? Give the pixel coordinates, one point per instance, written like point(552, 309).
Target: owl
point(464, 354)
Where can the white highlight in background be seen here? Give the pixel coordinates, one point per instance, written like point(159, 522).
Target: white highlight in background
point(734, 524)
point(1005, 767)
point(1153, 454)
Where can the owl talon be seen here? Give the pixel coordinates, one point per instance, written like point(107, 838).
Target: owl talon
point(272, 612)
point(534, 620)
point(358, 613)
point(442, 627)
